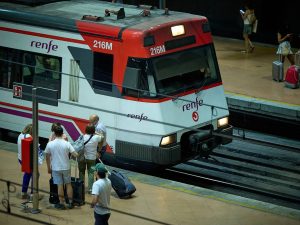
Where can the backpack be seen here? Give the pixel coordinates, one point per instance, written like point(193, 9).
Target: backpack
point(292, 77)
point(78, 146)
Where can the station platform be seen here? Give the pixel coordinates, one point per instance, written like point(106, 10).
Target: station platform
point(248, 83)
point(156, 201)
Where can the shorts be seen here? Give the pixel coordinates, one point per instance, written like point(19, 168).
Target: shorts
point(61, 176)
point(247, 29)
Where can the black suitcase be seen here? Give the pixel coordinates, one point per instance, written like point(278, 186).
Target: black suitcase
point(121, 184)
point(53, 198)
point(78, 191)
point(78, 188)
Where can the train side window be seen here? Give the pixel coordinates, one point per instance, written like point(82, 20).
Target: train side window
point(47, 72)
point(29, 68)
point(10, 67)
point(103, 71)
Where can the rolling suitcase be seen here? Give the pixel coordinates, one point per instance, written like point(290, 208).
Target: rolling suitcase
point(120, 183)
point(277, 70)
point(53, 198)
point(78, 188)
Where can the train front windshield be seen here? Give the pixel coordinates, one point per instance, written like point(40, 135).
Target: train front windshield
point(174, 73)
point(185, 70)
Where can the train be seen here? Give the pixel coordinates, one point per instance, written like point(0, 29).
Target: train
point(150, 74)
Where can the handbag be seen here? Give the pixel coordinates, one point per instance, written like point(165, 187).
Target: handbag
point(254, 26)
point(78, 146)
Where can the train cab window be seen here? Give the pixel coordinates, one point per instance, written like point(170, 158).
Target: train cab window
point(185, 70)
point(138, 79)
point(103, 71)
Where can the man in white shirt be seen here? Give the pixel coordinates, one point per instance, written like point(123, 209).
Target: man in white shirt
point(57, 157)
point(100, 129)
point(101, 195)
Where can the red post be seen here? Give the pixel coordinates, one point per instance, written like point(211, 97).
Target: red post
point(27, 155)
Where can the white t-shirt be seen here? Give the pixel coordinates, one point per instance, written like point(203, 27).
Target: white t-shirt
point(102, 188)
point(90, 148)
point(59, 150)
point(20, 137)
point(101, 128)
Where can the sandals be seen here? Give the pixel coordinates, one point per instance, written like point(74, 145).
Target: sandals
point(251, 49)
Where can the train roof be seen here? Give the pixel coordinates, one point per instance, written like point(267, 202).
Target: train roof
point(65, 14)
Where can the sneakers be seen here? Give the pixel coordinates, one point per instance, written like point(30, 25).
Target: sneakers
point(24, 195)
point(70, 206)
point(60, 206)
point(40, 197)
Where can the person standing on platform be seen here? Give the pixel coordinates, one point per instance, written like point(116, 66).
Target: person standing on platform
point(58, 164)
point(52, 135)
point(248, 17)
point(92, 141)
point(26, 133)
point(101, 130)
point(101, 195)
point(284, 37)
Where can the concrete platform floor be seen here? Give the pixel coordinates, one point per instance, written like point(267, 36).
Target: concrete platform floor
point(156, 201)
point(251, 74)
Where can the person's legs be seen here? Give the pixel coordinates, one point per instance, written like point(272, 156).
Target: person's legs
point(106, 218)
point(90, 163)
point(26, 181)
point(98, 219)
point(61, 194)
point(291, 58)
point(246, 39)
point(251, 46)
point(67, 181)
point(101, 219)
point(81, 167)
point(70, 195)
point(58, 179)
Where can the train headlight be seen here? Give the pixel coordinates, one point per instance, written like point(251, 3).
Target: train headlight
point(223, 122)
point(168, 140)
point(177, 30)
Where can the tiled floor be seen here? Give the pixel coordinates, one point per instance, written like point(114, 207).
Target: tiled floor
point(251, 74)
point(150, 205)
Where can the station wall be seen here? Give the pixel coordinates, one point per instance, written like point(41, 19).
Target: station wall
point(225, 19)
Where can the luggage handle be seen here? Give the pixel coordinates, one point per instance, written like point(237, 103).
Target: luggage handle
point(109, 173)
point(121, 174)
point(76, 168)
point(297, 58)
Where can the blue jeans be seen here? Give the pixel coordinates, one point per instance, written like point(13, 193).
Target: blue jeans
point(101, 219)
point(26, 180)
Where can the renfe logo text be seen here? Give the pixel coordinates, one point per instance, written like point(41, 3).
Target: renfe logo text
point(193, 105)
point(44, 45)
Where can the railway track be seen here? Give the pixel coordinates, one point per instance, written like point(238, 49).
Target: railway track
point(267, 172)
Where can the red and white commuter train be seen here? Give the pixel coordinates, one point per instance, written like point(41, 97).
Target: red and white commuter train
point(151, 75)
